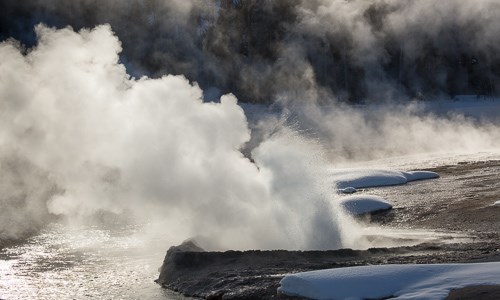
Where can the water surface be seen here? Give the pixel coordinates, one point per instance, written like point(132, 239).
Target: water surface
point(84, 262)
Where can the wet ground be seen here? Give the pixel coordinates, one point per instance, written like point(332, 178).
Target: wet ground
point(459, 203)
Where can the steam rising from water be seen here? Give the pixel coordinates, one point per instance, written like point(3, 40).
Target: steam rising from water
point(79, 136)
point(150, 148)
point(354, 133)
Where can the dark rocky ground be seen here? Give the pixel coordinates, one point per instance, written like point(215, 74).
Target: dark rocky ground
point(460, 201)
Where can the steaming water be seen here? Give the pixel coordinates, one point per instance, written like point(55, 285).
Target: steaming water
point(113, 143)
point(83, 263)
point(118, 262)
point(423, 161)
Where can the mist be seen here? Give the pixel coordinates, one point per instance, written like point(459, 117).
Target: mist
point(352, 51)
point(141, 117)
point(369, 132)
point(88, 138)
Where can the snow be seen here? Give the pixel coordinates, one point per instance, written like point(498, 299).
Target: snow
point(479, 107)
point(420, 175)
point(364, 204)
point(497, 203)
point(363, 178)
point(400, 281)
point(348, 180)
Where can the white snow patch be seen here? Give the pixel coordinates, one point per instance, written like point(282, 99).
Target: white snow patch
point(497, 203)
point(420, 175)
point(364, 204)
point(364, 178)
point(400, 281)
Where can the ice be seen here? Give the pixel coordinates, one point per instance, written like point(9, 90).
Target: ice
point(432, 281)
point(364, 204)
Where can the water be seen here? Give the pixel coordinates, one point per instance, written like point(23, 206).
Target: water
point(120, 262)
point(84, 262)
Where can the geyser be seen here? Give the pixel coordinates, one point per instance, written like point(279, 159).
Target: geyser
point(153, 149)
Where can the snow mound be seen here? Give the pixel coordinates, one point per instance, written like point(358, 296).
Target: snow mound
point(399, 281)
point(364, 178)
point(364, 204)
point(420, 175)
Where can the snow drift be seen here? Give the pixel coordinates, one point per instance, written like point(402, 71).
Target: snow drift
point(395, 281)
point(364, 178)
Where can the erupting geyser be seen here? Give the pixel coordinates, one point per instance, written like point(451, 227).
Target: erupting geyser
point(127, 127)
point(153, 149)
point(80, 136)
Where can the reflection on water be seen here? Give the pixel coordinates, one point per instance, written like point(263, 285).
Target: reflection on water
point(83, 263)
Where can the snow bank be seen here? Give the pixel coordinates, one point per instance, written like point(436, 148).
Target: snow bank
point(471, 106)
point(363, 178)
point(420, 175)
point(364, 204)
point(400, 281)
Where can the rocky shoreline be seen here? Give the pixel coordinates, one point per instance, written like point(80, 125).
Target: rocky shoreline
point(193, 272)
point(256, 274)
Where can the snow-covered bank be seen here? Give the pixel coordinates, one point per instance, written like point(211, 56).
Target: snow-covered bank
point(363, 178)
point(349, 180)
point(364, 204)
point(432, 281)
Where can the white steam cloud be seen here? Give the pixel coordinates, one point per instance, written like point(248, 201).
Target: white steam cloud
point(89, 138)
point(79, 136)
point(358, 133)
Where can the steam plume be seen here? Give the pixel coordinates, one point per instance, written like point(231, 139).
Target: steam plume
point(152, 148)
point(79, 135)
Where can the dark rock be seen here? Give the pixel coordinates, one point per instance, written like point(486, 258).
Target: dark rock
point(479, 292)
point(256, 274)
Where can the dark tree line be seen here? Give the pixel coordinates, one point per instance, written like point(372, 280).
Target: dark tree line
point(258, 49)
